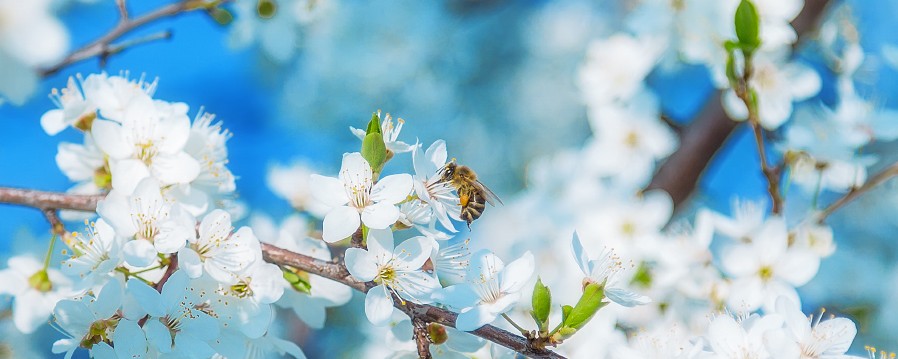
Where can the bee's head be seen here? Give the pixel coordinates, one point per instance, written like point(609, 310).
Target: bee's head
point(448, 171)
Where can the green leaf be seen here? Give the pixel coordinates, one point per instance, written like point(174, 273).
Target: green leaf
point(564, 333)
point(748, 25)
point(565, 312)
point(586, 307)
point(374, 124)
point(374, 150)
point(221, 16)
point(542, 302)
point(266, 8)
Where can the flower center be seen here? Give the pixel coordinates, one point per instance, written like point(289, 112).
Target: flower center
point(98, 332)
point(242, 290)
point(766, 273)
point(146, 151)
point(385, 275)
point(632, 139)
point(359, 195)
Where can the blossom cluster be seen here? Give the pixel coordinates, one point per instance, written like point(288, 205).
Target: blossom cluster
point(702, 262)
point(161, 269)
point(164, 268)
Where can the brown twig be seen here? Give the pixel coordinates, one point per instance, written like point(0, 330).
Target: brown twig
point(331, 270)
point(48, 200)
point(871, 183)
point(422, 341)
point(743, 90)
point(172, 267)
point(56, 226)
point(103, 46)
point(357, 241)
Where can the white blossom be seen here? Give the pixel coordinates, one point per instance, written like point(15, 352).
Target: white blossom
point(491, 289)
point(35, 291)
point(219, 252)
point(395, 270)
point(355, 199)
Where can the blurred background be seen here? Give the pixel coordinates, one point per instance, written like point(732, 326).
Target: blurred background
point(496, 79)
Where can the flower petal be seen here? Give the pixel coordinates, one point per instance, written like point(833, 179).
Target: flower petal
point(355, 172)
point(580, 255)
point(339, 223)
point(148, 298)
point(380, 215)
point(380, 244)
point(109, 137)
point(517, 273)
point(53, 121)
point(189, 261)
point(139, 253)
point(158, 335)
point(392, 189)
point(474, 318)
point(127, 174)
point(328, 190)
point(176, 168)
point(378, 306)
point(360, 264)
point(411, 254)
point(130, 340)
point(459, 296)
point(625, 297)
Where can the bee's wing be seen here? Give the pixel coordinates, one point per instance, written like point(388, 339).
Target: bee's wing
point(490, 195)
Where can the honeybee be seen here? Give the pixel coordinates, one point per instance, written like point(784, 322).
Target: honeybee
point(472, 194)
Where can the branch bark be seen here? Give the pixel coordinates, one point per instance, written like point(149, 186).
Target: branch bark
point(331, 270)
point(48, 200)
point(422, 341)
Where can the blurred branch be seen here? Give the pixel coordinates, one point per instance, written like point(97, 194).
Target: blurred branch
point(122, 10)
point(700, 140)
point(871, 183)
point(743, 90)
point(332, 270)
point(673, 125)
point(103, 46)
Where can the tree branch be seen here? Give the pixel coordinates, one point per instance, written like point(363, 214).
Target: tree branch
point(331, 270)
point(422, 341)
point(427, 313)
point(871, 183)
point(103, 47)
point(743, 90)
point(49, 200)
